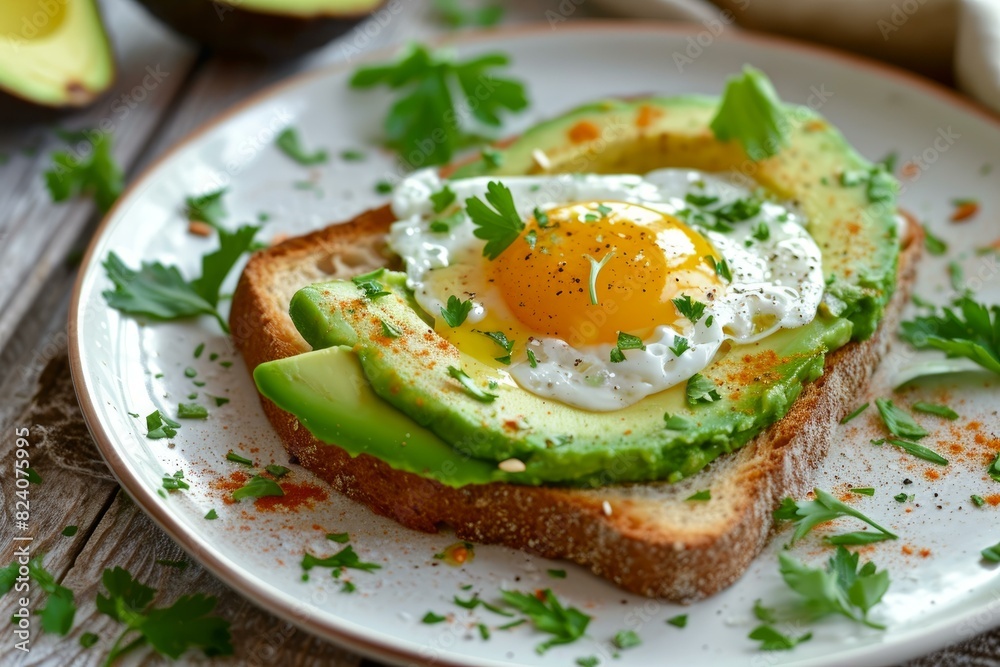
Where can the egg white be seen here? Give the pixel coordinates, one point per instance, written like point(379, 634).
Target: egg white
point(779, 279)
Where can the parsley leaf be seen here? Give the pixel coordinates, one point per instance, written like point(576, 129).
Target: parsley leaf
point(427, 80)
point(345, 558)
point(500, 227)
point(191, 411)
point(625, 342)
point(897, 421)
point(967, 331)
point(207, 208)
point(390, 330)
point(236, 458)
point(700, 495)
point(431, 618)
point(840, 588)
point(680, 346)
point(935, 409)
point(701, 390)
point(565, 624)
point(772, 640)
point(258, 487)
point(457, 16)
point(99, 175)
point(720, 267)
point(169, 630)
point(161, 292)
point(854, 413)
point(807, 514)
point(689, 308)
point(751, 113)
point(933, 244)
point(991, 554)
point(761, 231)
point(289, 143)
point(993, 470)
point(371, 287)
point(456, 310)
point(175, 482)
point(59, 610)
point(679, 621)
point(919, 451)
point(158, 426)
point(470, 386)
point(624, 639)
point(443, 199)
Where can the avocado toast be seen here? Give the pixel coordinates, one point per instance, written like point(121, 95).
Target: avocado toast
point(647, 537)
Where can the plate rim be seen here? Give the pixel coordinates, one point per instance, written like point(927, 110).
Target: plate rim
point(343, 632)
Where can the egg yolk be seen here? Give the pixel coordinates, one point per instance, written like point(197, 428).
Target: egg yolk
point(588, 270)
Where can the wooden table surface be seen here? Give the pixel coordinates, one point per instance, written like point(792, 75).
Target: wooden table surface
point(39, 242)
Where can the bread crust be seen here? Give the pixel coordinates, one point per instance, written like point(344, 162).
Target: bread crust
point(643, 537)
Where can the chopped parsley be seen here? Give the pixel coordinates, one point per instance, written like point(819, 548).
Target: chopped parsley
point(919, 451)
point(680, 346)
point(700, 495)
point(212, 515)
point(456, 311)
point(807, 514)
point(476, 601)
point(565, 624)
point(689, 308)
point(158, 426)
point(721, 268)
point(933, 244)
point(557, 574)
point(991, 554)
point(863, 491)
point(289, 143)
point(492, 157)
point(701, 390)
point(346, 558)
point(897, 421)
point(956, 276)
point(970, 330)
point(430, 618)
point(389, 330)
point(383, 187)
point(842, 587)
point(900, 497)
point(541, 217)
point(236, 458)
point(370, 286)
point(98, 176)
point(993, 470)
point(500, 338)
point(69, 531)
point(175, 482)
point(442, 199)
point(207, 208)
point(444, 225)
point(751, 113)
point(258, 487)
point(352, 155)
point(161, 292)
point(498, 226)
point(625, 342)
point(179, 564)
point(426, 80)
point(761, 231)
point(532, 361)
point(854, 413)
point(588, 661)
point(191, 411)
point(677, 422)
point(679, 621)
point(772, 640)
point(33, 476)
point(88, 639)
point(339, 538)
point(935, 409)
point(456, 16)
point(470, 386)
point(172, 630)
point(595, 269)
point(624, 639)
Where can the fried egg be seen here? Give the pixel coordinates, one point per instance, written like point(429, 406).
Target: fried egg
point(618, 287)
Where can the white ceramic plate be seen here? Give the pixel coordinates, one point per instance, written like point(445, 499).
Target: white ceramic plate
point(942, 597)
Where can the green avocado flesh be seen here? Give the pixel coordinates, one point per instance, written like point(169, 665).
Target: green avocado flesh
point(53, 52)
point(402, 370)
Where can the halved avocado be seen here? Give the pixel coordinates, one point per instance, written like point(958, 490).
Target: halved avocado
point(54, 53)
point(266, 29)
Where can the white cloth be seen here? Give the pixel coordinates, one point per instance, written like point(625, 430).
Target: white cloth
point(924, 34)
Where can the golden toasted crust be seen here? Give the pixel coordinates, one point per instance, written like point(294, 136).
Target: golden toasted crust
point(643, 537)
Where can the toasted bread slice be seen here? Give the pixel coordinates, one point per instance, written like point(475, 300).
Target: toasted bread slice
point(643, 537)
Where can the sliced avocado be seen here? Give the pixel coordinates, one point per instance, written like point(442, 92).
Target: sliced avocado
point(266, 29)
point(331, 396)
point(53, 52)
point(557, 443)
point(857, 235)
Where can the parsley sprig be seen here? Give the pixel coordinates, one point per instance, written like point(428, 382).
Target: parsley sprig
point(625, 342)
point(689, 308)
point(59, 610)
point(288, 142)
point(499, 227)
point(169, 630)
point(428, 79)
point(456, 310)
point(208, 208)
point(807, 514)
point(969, 329)
point(97, 175)
point(161, 292)
point(565, 624)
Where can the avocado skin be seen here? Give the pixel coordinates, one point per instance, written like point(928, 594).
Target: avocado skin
point(231, 29)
